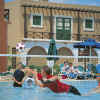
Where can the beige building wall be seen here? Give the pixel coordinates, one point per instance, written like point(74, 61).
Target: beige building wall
point(16, 26)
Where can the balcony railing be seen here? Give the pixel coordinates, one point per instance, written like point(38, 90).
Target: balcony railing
point(74, 37)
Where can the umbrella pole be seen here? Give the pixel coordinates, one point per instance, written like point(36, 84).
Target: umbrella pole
point(52, 70)
point(90, 55)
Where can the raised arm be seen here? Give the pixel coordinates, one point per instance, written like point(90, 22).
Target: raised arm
point(37, 81)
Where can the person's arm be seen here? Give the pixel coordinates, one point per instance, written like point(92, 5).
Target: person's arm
point(46, 81)
point(17, 81)
point(54, 78)
point(37, 81)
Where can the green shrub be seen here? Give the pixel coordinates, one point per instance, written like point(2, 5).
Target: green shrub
point(9, 68)
point(93, 69)
point(56, 69)
point(36, 67)
point(32, 66)
point(39, 68)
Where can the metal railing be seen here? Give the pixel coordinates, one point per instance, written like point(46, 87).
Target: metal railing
point(74, 37)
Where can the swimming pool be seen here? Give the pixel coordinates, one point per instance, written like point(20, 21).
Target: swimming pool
point(7, 92)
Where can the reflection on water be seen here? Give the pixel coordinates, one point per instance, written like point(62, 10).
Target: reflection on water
point(37, 93)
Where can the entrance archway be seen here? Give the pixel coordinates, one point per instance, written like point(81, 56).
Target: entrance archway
point(64, 51)
point(37, 50)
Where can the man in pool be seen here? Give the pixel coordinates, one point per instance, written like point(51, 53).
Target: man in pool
point(18, 76)
point(45, 79)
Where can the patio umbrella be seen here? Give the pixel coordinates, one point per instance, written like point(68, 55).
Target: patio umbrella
point(52, 50)
point(89, 43)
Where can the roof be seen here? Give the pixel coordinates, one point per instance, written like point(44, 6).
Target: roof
point(59, 6)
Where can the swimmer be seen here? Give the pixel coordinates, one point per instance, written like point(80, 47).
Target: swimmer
point(45, 79)
point(29, 78)
point(28, 82)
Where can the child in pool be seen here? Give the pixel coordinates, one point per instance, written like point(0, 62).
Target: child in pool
point(45, 79)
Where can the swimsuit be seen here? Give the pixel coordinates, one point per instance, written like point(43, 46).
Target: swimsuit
point(56, 86)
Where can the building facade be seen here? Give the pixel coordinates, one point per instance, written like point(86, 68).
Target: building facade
point(37, 21)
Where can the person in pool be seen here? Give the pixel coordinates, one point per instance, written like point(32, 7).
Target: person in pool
point(45, 79)
point(18, 76)
point(28, 82)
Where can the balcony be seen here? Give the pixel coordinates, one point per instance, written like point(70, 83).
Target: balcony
point(75, 37)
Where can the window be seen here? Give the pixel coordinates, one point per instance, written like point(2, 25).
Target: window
point(59, 23)
point(6, 14)
point(36, 20)
point(89, 24)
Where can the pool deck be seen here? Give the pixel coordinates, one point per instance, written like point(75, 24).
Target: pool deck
point(6, 78)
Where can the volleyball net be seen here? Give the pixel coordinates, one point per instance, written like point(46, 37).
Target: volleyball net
point(41, 60)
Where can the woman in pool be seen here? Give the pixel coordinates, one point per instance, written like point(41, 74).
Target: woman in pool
point(45, 79)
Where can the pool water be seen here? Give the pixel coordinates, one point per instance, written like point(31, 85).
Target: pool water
point(7, 92)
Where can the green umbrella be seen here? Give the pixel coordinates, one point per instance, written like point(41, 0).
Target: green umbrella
point(52, 50)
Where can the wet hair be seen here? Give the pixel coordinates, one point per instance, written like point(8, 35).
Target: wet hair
point(65, 62)
point(29, 81)
point(47, 70)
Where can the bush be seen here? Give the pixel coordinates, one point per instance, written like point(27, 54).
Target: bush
point(39, 68)
point(9, 68)
point(36, 67)
point(56, 69)
point(32, 66)
point(93, 69)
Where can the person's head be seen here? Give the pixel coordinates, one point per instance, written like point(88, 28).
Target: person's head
point(46, 71)
point(70, 64)
point(29, 82)
point(65, 63)
point(19, 66)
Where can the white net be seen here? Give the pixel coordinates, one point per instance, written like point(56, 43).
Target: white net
point(41, 60)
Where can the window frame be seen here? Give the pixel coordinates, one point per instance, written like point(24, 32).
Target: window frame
point(84, 24)
point(31, 20)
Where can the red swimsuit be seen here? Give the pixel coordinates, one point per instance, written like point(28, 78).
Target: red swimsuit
point(56, 86)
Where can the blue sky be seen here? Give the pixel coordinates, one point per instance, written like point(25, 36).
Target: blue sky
point(81, 2)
